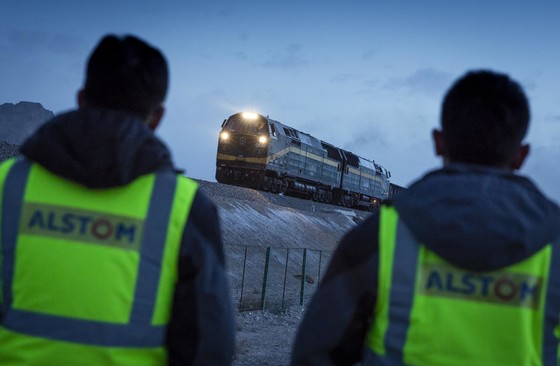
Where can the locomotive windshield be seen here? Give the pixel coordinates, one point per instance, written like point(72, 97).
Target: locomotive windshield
point(248, 124)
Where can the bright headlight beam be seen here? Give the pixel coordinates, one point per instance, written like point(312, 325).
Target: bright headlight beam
point(250, 115)
point(263, 139)
point(224, 136)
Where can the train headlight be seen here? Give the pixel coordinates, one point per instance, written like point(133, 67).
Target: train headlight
point(224, 136)
point(263, 139)
point(250, 115)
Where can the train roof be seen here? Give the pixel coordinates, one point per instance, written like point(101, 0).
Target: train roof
point(352, 158)
point(299, 135)
point(359, 161)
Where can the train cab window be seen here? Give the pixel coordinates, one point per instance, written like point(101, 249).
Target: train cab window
point(238, 124)
point(290, 132)
point(332, 152)
point(272, 130)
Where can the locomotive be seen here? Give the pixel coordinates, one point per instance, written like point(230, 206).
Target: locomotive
point(258, 152)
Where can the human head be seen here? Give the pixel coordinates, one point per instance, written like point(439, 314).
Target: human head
point(126, 74)
point(484, 118)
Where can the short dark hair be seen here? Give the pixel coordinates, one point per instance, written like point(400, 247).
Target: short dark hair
point(484, 118)
point(126, 74)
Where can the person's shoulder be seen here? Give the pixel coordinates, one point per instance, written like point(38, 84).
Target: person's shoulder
point(358, 246)
point(201, 201)
point(6, 164)
point(202, 229)
point(203, 213)
point(365, 228)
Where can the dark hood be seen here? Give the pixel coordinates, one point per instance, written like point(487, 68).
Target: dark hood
point(98, 148)
point(477, 217)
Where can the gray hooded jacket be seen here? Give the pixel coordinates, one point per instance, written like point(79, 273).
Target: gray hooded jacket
point(100, 149)
point(475, 217)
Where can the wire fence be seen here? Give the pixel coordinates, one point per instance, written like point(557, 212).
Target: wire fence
point(273, 278)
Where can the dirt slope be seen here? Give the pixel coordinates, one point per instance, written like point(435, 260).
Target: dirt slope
point(250, 217)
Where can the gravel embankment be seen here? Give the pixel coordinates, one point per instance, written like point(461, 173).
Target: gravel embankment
point(8, 150)
point(264, 219)
point(251, 217)
point(264, 338)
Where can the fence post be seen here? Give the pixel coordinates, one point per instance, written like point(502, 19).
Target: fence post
point(265, 277)
point(302, 277)
point(320, 262)
point(285, 276)
point(243, 279)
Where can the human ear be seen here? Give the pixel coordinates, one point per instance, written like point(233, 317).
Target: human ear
point(439, 143)
point(81, 98)
point(155, 117)
point(520, 157)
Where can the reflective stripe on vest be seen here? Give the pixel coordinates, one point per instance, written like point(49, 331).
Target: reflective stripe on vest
point(140, 330)
point(421, 298)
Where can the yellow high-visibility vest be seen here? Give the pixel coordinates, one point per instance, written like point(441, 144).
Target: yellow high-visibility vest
point(430, 312)
point(87, 275)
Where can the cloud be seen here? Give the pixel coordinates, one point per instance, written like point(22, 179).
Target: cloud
point(65, 44)
point(423, 81)
point(289, 58)
point(369, 55)
point(529, 85)
point(26, 40)
point(365, 140)
point(345, 77)
point(369, 86)
point(548, 118)
point(241, 55)
point(26, 43)
point(539, 168)
point(244, 36)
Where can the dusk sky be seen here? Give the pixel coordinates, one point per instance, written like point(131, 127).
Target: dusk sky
point(365, 75)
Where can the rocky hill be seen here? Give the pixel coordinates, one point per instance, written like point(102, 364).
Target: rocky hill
point(18, 121)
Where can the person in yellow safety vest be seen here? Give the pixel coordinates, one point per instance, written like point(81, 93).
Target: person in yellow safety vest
point(463, 267)
point(109, 255)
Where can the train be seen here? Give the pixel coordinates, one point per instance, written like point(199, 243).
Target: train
point(258, 152)
point(394, 190)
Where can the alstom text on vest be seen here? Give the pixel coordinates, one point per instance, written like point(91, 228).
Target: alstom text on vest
point(81, 225)
point(501, 287)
